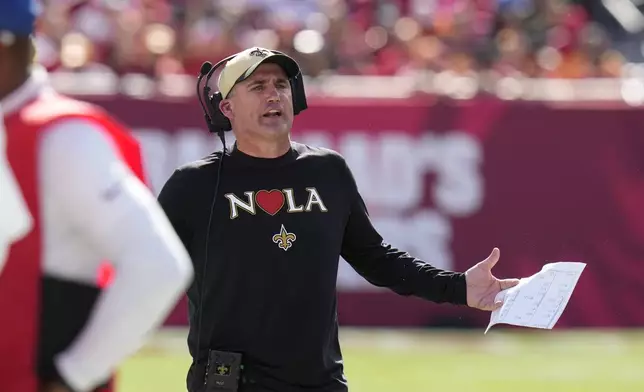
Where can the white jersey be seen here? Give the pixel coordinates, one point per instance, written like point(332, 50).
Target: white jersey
point(15, 219)
point(93, 208)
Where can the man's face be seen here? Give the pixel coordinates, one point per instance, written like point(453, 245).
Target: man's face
point(261, 106)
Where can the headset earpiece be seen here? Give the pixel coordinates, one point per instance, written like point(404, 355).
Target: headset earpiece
point(219, 121)
point(298, 95)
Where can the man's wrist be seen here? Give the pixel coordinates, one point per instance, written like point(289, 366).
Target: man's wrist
point(460, 289)
point(442, 287)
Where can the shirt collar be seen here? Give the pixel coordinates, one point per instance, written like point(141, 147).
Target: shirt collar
point(37, 83)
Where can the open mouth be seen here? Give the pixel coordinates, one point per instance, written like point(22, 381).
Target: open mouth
point(273, 113)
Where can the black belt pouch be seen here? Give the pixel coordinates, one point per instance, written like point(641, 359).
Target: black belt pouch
point(223, 371)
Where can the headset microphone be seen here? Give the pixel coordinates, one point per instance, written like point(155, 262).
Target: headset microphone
point(205, 68)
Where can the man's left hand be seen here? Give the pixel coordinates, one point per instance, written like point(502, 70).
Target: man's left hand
point(482, 286)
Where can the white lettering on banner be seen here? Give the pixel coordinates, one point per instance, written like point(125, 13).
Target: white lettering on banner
point(390, 169)
point(385, 169)
point(456, 158)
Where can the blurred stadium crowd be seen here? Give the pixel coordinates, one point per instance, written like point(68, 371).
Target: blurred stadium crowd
point(524, 38)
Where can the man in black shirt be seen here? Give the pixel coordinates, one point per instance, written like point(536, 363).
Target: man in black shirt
point(284, 214)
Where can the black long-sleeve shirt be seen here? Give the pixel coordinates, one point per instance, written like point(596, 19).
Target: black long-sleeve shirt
point(278, 230)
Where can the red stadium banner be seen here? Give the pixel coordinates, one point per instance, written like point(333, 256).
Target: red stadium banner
point(449, 180)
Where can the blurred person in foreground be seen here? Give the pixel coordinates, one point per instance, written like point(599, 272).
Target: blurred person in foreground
point(15, 219)
point(82, 178)
point(285, 214)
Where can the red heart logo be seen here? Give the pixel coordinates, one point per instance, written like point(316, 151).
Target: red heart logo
point(270, 201)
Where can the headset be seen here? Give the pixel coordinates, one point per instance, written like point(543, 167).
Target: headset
point(218, 123)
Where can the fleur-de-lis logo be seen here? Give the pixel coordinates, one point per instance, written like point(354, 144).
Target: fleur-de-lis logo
point(223, 370)
point(284, 239)
point(259, 53)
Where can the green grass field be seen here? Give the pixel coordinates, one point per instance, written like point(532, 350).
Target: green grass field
point(395, 361)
